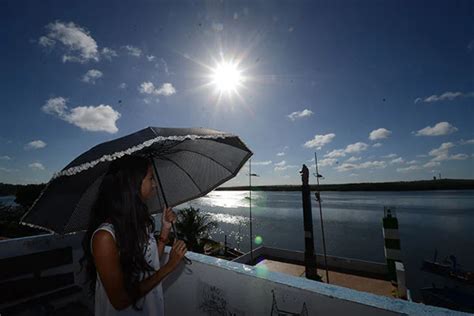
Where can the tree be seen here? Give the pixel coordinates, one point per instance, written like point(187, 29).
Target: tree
point(194, 225)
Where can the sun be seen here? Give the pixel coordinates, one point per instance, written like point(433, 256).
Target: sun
point(227, 77)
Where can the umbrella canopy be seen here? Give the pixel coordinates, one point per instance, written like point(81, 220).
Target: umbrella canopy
point(190, 163)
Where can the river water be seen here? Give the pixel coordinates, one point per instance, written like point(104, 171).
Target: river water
point(428, 220)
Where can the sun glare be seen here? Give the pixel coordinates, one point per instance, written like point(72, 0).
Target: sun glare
point(227, 77)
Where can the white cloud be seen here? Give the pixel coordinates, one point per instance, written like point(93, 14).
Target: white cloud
point(36, 144)
point(407, 169)
point(446, 96)
point(356, 147)
point(46, 41)
point(55, 106)
point(5, 158)
point(336, 153)
point(261, 163)
point(150, 57)
point(441, 128)
point(7, 169)
point(166, 89)
point(353, 159)
point(94, 118)
point(285, 167)
point(442, 152)
point(89, 118)
point(364, 165)
point(280, 154)
point(412, 162)
point(377, 145)
point(380, 133)
point(319, 141)
point(36, 165)
point(326, 162)
point(458, 157)
point(162, 66)
point(389, 156)
point(218, 27)
point(92, 75)
point(397, 160)
point(431, 164)
point(467, 142)
point(79, 46)
point(299, 114)
point(281, 163)
point(132, 51)
point(108, 53)
point(123, 85)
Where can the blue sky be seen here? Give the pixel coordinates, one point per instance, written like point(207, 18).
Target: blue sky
point(381, 90)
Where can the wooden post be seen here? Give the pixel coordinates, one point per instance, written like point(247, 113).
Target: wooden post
point(309, 254)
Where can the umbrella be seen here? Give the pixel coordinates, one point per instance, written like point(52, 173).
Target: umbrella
point(188, 163)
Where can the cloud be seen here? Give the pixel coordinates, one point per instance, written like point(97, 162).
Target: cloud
point(218, 27)
point(431, 164)
point(442, 152)
point(92, 75)
point(5, 158)
point(162, 66)
point(356, 147)
point(299, 114)
point(123, 85)
point(350, 149)
point(377, 145)
point(336, 153)
point(261, 163)
point(364, 165)
point(441, 128)
point(319, 141)
point(397, 160)
point(380, 133)
point(8, 169)
point(446, 96)
point(166, 89)
point(280, 154)
point(89, 118)
point(412, 162)
point(36, 165)
point(36, 144)
point(76, 41)
point(467, 142)
point(285, 167)
point(407, 169)
point(353, 159)
point(108, 53)
point(94, 118)
point(150, 57)
point(132, 51)
point(326, 162)
point(389, 156)
point(280, 164)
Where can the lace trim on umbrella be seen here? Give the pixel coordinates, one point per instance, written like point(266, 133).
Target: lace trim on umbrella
point(74, 170)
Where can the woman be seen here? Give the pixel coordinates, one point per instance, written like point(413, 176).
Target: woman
point(120, 250)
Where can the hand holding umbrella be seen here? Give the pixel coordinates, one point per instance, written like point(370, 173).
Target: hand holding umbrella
point(168, 219)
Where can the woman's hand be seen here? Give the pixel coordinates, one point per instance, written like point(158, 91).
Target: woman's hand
point(167, 217)
point(177, 253)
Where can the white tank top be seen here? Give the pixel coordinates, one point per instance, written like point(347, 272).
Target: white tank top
point(152, 302)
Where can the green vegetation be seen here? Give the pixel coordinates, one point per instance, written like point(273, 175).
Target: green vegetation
point(423, 185)
point(9, 223)
point(194, 226)
point(25, 194)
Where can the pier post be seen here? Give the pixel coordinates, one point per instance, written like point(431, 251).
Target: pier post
point(309, 254)
point(391, 241)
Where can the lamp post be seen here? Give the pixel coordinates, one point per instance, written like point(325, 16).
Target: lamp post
point(250, 174)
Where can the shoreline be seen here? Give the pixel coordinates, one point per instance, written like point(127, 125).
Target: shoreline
point(421, 185)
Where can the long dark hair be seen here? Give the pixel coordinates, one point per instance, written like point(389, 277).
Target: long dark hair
point(120, 201)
